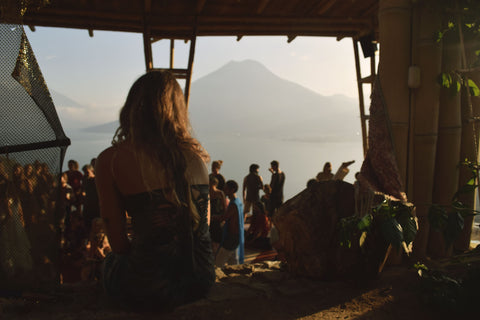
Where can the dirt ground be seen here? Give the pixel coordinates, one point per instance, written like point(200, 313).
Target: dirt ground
point(260, 291)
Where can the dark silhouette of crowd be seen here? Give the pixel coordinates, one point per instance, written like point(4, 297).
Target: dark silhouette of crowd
point(49, 222)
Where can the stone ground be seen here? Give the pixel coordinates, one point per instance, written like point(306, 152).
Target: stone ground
point(250, 291)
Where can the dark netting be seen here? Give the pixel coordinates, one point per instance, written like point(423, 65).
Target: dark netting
point(32, 148)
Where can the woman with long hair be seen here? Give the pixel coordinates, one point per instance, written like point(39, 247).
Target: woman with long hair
point(155, 173)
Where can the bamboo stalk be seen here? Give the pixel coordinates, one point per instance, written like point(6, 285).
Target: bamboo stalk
point(425, 126)
point(395, 41)
point(448, 145)
point(470, 141)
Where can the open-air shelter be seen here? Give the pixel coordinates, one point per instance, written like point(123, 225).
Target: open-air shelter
point(430, 130)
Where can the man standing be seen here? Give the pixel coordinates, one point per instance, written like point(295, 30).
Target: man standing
point(252, 184)
point(277, 182)
point(231, 249)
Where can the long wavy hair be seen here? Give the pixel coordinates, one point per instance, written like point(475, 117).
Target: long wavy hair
point(155, 121)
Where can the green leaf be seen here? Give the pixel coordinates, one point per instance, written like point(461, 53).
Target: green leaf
point(477, 53)
point(392, 232)
point(362, 239)
point(450, 25)
point(439, 36)
point(365, 222)
point(409, 226)
point(474, 91)
point(465, 189)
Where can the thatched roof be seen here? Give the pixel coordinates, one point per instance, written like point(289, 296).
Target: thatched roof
point(182, 19)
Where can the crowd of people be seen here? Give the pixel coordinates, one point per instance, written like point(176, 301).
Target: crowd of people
point(27, 211)
point(48, 219)
point(138, 216)
point(231, 211)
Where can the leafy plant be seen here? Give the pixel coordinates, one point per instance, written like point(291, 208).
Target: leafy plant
point(449, 219)
point(395, 220)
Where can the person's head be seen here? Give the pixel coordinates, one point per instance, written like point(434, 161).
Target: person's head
point(274, 165)
point(88, 170)
point(154, 121)
point(311, 183)
point(254, 168)
point(92, 162)
point(64, 179)
point(267, 189)
point(73, 165)
point(28, 168)
point(213, 182)
point(216, 165)
point(327, 167)
point(17, 170)
point(259, 207)
point(155, 114)
point(231, 187)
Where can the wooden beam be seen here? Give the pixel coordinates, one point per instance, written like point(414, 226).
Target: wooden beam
point(239, 38)
point(172, 52)
point(147, 41)
point(32, 28)
point(188, 80)
point(90, 33)
point(360, 97)
point(324, 7)
point(200, 5)
point(290, 38)
point(261, 6)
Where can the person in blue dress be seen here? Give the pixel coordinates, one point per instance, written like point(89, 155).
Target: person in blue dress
point(231, 249)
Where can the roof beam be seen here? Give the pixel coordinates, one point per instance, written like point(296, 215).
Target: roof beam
point(325, 6)
point(261, 6)
point(200, 5)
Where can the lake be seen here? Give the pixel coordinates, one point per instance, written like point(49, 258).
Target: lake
point(299, 160)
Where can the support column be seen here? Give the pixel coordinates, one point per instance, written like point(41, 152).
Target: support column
point(395, 47)
point(470, 141)
point(425, 126)
point(448, 143)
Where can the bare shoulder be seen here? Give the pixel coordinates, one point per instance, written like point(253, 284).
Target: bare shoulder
point(197, 169)
point(104, 160)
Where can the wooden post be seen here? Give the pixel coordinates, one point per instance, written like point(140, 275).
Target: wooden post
point(172, 52)
point(361, 99)
point(188, 79)
point(147, 42)
point(425, 127)
point(395, 41)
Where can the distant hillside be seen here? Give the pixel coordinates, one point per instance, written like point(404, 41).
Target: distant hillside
point(108, 127)
point(247, 98)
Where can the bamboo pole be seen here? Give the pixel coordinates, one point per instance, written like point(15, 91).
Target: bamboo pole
point(361, 99)
point(394, 26)
point(425, 126)
point(448, 144)
point(470, 141)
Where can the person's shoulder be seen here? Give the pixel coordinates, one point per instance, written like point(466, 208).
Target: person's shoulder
point(104, 159)
point(197, 167)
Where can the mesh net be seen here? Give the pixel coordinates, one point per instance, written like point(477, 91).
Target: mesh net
point(32, 148)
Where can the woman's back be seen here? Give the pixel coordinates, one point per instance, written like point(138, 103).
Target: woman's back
point(155, 172)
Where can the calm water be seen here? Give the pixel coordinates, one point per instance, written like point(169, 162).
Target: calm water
point(300, 161)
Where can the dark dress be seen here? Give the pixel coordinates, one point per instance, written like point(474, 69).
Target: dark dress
point(216, 209)
point(169, 262)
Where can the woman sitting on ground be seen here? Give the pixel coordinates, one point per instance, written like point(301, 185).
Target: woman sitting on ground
point(156, 173)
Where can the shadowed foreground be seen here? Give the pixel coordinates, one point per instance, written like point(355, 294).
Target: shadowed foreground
point(252, 291)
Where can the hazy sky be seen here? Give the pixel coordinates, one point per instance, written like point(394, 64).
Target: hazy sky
point(97, 72)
